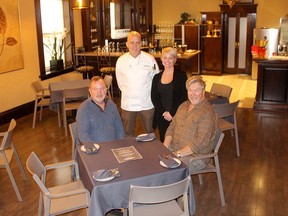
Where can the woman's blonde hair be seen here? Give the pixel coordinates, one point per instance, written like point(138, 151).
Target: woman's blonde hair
point(169, 50)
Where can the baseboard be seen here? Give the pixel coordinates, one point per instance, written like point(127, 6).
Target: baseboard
point(16, 112)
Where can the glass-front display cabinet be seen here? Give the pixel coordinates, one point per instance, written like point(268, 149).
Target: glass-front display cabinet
point(211, 43)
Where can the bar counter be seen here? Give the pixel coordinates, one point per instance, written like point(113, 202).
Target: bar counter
point(272, 85)
point(184, 61)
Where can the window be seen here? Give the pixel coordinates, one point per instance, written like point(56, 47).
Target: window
point(53, 19)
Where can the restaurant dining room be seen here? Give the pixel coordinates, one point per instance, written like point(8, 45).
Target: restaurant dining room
point(51, 50)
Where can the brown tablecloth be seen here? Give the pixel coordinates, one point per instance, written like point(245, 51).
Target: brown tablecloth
point(114, 194)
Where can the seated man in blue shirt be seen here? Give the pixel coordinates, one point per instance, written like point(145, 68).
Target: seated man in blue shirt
point(98, 119)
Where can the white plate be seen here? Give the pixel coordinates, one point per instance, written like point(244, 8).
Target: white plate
point(103, 179)
point(144, 140)
point(176, 159)
point(84, 149)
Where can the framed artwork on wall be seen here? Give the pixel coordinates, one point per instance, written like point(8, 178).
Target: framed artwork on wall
point(11, 57)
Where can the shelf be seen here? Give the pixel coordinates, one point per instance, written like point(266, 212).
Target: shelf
point(205, 37)
point(211, 47)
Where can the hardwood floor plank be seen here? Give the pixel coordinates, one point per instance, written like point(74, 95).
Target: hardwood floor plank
point(255, 184)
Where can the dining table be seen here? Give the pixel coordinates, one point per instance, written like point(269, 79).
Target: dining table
point(144, 171)
point(56, 90)
point(216, 99)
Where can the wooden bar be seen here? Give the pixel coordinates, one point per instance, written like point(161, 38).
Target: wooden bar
point(184, 61)
point(272, 86)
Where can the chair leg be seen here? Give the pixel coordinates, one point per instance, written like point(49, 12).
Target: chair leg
point(218, 173)
point(59, 114)
point(11, 177)
point(40, 205)
point(111, 89)
point(19, 162)
point(41, 111)
point(237, 142)
point(65, 121)
point(34, 115)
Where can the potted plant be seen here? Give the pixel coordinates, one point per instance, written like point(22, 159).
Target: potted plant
point(56, 47)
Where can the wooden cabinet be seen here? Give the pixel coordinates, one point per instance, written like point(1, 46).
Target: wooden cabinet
point(211, 43)
point(96, 20)
point(142, 16)
point(92, 20)
point(190, 35)
point(272, 86)
point(238, 24)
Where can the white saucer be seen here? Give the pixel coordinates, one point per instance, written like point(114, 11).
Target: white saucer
point(176, 159)
point(84, 149)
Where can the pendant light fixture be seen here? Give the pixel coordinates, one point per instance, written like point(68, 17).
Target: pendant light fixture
point(80, 4)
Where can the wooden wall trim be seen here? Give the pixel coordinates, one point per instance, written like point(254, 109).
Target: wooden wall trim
point(16, 112)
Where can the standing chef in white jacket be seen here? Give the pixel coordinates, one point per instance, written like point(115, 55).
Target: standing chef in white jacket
point(134, 73)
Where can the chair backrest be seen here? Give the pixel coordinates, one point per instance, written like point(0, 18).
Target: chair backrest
point(37, 87)
point(78, 60)
point(74, 137)
point(158, 194)
point(35, 166)
point(103, 58)
point(108, 80)
point(77, 93)
point(220, 89)
point(218, 140)
point(226, 110)
point(7, 138)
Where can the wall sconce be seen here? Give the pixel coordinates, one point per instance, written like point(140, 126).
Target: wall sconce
point(231, 2)
point(80, 4)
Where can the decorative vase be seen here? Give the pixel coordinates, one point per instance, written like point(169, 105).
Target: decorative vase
point(56, 64)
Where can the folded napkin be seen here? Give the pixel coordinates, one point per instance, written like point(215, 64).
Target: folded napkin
point(106, 173)
point(168, 161)
point(90, 147)
point(145, 137)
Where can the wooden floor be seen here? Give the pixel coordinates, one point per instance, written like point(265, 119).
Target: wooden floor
point(255, 184)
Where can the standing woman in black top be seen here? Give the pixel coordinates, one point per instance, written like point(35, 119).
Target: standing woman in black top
point(168, 91)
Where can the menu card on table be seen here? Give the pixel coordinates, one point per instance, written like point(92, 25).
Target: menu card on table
point(126, 154)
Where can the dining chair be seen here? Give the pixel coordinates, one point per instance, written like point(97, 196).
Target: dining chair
point(62, 198)
point(108, 82)
point(74, 137)
point(214, 165)
point(159, 200)
point(42, 99)
point(72, 99)
point(80, 63)
point(227, 120)
point(7, 150)
point(221, 90)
